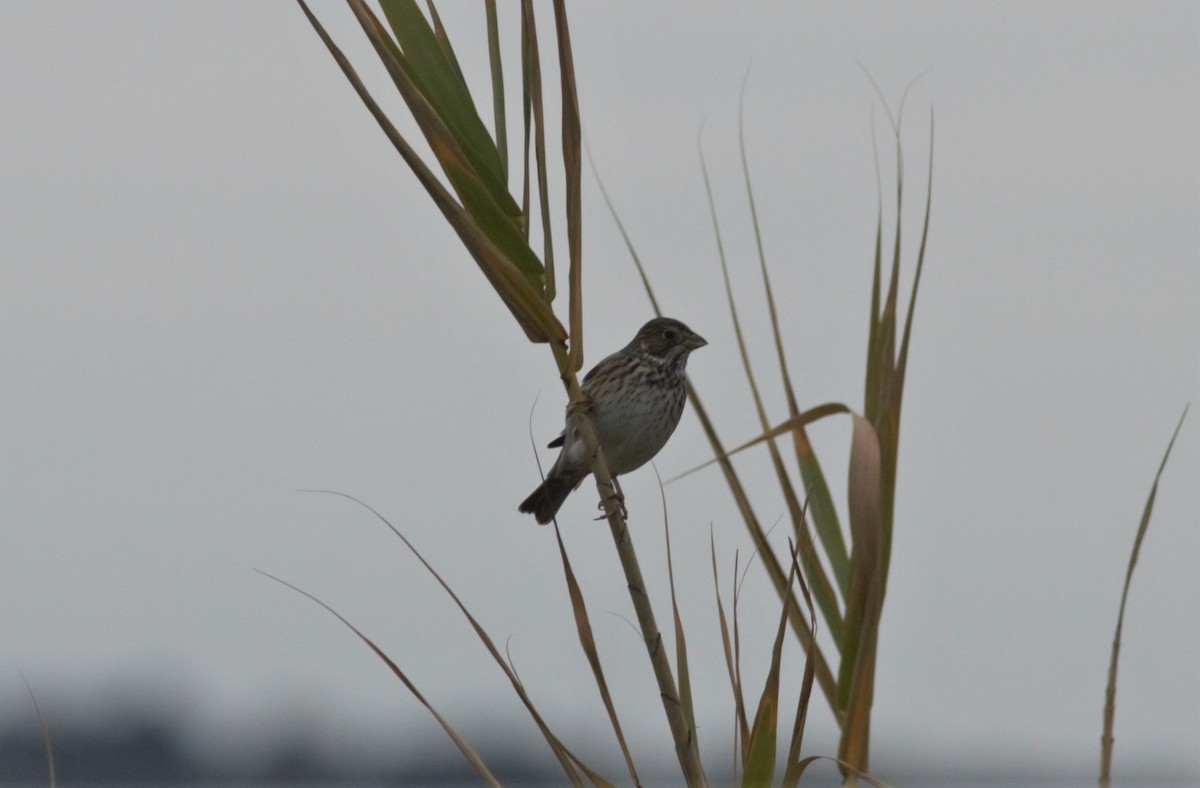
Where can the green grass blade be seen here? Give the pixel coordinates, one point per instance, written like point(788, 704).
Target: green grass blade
point(819, 500)
point(466, 749)
point(439, 32)
point(871, 395)
point(497, 69)
point(532, 313)
point(438, 79)
point(1110, 691)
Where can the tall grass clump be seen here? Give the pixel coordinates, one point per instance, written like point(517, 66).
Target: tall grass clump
point(839, 570)
point(834, 575)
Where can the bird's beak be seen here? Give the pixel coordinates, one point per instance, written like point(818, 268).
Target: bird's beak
point(695, 341)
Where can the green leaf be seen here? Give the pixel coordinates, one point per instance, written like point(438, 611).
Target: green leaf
point(438, 79)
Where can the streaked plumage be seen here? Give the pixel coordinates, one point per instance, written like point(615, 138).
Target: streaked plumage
point(637, 396)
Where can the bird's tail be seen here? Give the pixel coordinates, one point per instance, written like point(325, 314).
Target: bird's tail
point(544, 502)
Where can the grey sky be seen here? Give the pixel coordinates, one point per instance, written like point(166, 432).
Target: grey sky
point(220, 285)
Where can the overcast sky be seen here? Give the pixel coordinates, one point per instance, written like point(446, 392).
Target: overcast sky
point(219, 285)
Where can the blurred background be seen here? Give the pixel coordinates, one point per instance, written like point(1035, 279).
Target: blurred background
point(220, 286)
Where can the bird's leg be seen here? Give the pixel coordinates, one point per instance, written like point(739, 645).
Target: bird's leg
point(613, 498)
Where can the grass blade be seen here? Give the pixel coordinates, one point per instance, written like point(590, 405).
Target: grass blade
point(681, 660)
point(565, 756)
point(497, 69)
point(790, 425)
point(759, 768)
point(587, 641)
point(847, 768)
point(819, 500)
point(533, 91)
point(466, 749)
point(741, 726)
point(770, 560)
point(572, 164)
point(1110, 691)
point(826, 598)
point(438, 79)
point(864, 605)
point(513, 287)
point(791, 774)
point(51, 771)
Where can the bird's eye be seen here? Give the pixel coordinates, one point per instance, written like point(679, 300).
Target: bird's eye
point(670, 335)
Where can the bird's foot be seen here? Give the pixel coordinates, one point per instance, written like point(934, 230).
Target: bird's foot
point(615, 500)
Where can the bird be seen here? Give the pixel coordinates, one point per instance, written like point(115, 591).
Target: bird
point(635, 398)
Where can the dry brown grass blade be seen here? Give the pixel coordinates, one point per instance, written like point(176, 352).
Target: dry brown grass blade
point(686, 747)
point(612, 211)
point(791, 424)
point(587, 641)
point(533, 91)
point(526, 304)
point(823, 589)
point(844, 766)
point(466, 749)
point(791, 774)
point(681, 654)
point(741, 725)
point(572, 164)
point(856, 679)
point(817, 496)
point(565, 757)
point(1110, 691)
point(759, 769)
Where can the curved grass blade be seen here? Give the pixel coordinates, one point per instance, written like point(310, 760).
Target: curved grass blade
point(770, 560)
point(565, 756)
point(466, 749)
point(759, 768)
point(847, 768)
point(819, 500)
point(587, 641)
point(51, 771)
point(741, 726)
point(801, 419)
point(826, 598)
point(791, 773)
point(1110, 690)
point(681, 660)
point(856, 679)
